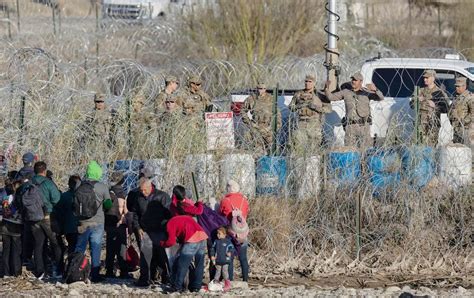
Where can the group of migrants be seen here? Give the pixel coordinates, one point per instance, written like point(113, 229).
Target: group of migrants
point(263, 121)
point(48, 231)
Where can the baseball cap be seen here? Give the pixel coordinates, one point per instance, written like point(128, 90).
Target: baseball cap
point(429, 73)
point(195, 80)
point(28, 158)
point(261, 85)
point(461, 81)
point(170, 79)
point(99, 98)
point(357, 76)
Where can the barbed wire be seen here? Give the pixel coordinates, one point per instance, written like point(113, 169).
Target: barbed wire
point(56, 79)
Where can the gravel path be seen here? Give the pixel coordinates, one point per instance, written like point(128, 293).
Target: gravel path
point(115, 287)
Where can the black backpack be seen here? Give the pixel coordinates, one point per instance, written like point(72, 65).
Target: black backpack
point(85, 203)
point(32, 202)
point(115, 210)
point(78, 268)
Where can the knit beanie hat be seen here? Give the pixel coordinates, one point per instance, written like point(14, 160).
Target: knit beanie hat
point(94, 171)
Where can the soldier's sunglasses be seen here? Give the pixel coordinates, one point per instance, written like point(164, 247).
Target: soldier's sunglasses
point(197, 84)
point(99, 101)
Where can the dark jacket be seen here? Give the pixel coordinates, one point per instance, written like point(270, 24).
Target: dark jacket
point(51, 194)
point(219, 250)
point(27, 172)
point(112, 215)
point(150, 213)
point(64, 213)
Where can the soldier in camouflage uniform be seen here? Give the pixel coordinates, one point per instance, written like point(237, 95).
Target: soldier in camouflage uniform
point(260, 124)
point(168, 124)
point(432, 102)
point(172, 85)
point(99, 127)
point(171, 113)
point(193, 99)
point(461, 113)
point(310, 107)
point(357, 103)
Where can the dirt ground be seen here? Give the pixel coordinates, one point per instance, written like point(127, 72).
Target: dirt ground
point(258, 286)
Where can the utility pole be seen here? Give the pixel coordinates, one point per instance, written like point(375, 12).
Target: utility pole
point(332, 53)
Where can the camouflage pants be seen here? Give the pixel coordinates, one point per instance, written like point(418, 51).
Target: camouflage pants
point(358, 135)
point(262, 139)
point(307, 138)
point(429, 134)
point(462, 134)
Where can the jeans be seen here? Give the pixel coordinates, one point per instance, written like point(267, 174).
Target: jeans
point(244, 263)
point(190, 251)
point(116, 246)
point(11, 258)
point(92, 235)
point(41, 232)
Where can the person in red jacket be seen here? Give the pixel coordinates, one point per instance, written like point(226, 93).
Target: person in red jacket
point(180, 205)
point(183, 229)
point(236, 200)
point(233, 199)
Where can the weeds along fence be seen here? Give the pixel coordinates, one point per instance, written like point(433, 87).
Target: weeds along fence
point(390, 209)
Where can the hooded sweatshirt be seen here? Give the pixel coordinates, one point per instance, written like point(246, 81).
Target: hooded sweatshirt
point(94, 174)
point(51, 194)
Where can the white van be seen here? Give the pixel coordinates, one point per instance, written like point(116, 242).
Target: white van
point(397, 79)
point(134, 9)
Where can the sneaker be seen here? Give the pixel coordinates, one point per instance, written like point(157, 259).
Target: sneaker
point(41, 276)
point(142, 283)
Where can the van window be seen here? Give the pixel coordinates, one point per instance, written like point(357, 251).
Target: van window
point(401, 82)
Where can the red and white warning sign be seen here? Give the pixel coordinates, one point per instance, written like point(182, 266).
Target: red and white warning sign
point(220, 130)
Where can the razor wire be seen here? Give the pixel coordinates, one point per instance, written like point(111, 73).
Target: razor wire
point(58, 80)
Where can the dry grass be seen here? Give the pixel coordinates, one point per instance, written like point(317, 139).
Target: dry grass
point(414, 234)
point(403, 232)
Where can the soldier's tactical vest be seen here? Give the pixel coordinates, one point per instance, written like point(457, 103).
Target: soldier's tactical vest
point(193, 103)
point(358, 106)
point(101, 123)
point(262, 111)
point(459, 112)
point(304, 112)
point(425, 108)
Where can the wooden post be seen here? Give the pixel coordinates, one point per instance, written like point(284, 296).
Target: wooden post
point(59, 18)
point(96, 32)
point(358, 224)
point(9, 25)
point(417, 116)
point(150, 10)
point(18, 14)
point(137, 47)
point(22, 117)
point(85, 71)
point(274, 121)
point(53, 11)
point(439, 20)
